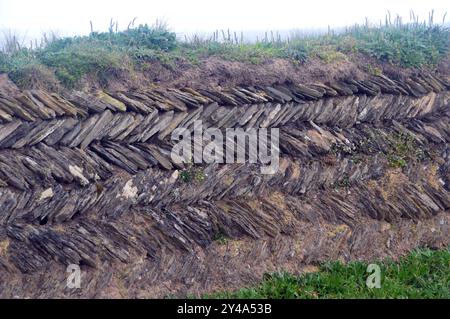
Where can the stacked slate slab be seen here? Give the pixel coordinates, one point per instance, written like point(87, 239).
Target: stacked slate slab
point(87, 178)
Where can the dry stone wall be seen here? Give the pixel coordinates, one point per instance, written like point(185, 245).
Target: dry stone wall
point(88, 179)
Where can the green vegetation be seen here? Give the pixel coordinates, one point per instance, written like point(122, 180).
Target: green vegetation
point(253, 53)
point(409, 45)
point(398, 148)
point(221, 238)
point(99, 54)
point(104, 54)
point(422, 274)
point(404, 149)
point(344, 182)
point(396, 161)
point(192, 175)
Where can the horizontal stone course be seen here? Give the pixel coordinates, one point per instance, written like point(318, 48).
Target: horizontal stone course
point(32, 105)
point(134, 127)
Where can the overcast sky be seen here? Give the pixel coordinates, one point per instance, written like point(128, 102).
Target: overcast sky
point(33, 17)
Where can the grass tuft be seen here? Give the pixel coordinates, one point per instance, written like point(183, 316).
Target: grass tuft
point(424, 273)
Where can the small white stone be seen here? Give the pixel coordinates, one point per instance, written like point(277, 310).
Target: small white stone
point(173, 177)
point(78, 172)
point(129, 191)
point(48, 193)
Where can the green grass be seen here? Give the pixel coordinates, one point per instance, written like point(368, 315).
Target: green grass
point(422, 274)
point(408, 45)
point(244, 52)
point(71, 62)
point(102, 54)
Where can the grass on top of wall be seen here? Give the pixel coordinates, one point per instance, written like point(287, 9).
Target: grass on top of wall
point(103, 54)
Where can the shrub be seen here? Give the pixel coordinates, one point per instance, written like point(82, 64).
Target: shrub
point(143, 36)
point(99, 54)
point(297, 51)
point(26, 71)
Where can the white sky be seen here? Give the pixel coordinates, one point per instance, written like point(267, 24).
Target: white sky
point(68, 17)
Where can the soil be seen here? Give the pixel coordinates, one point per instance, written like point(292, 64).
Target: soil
point(7, 86)
point(212, 72)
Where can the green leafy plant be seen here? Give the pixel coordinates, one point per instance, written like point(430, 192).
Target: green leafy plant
point(404, 149)
point(396, 161)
